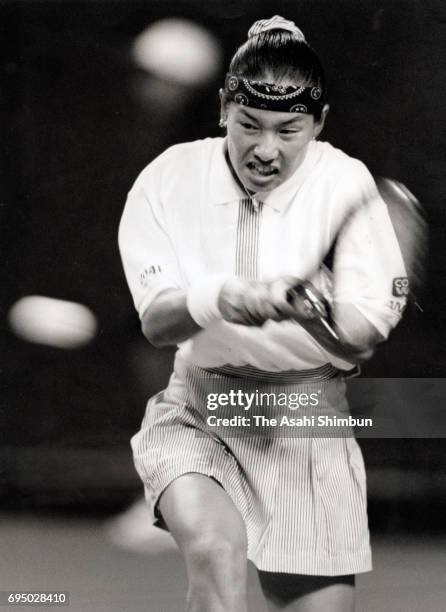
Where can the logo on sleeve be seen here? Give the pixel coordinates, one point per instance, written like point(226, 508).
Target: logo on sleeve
point(397, 307)
point(400, 286)
point(147, 273)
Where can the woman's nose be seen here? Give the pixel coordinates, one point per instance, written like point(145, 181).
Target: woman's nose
point(266, 148)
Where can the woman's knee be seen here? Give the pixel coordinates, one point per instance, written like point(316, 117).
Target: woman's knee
point(217, 552)
point(205, 523)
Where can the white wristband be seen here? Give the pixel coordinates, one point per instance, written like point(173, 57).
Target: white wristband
point(202, 300)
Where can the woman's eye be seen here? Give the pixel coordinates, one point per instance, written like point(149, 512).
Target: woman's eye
point(289, 132)
point(248, 126)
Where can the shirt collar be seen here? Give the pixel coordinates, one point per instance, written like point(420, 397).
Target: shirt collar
point(222, 186)
point(224, 189)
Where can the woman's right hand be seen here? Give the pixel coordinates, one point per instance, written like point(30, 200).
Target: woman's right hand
point(254, 302)
point(247, 303)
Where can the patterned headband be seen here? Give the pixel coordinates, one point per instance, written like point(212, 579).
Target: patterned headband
point(269, 96)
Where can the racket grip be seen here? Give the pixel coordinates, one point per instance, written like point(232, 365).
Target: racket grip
point(294, 292)
point(320, 305)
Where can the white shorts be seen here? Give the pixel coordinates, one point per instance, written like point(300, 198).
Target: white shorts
point(302, 496)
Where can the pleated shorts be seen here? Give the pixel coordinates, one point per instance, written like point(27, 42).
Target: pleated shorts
point(301, 490)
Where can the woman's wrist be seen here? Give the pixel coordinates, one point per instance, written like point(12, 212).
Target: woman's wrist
point(202, 300)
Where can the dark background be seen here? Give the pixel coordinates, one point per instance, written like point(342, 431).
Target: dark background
point(75, 133)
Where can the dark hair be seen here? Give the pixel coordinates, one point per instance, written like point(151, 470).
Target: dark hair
point(279, 55)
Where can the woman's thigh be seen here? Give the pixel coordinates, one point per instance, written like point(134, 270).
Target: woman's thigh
point(200, 515)
point(297, 593)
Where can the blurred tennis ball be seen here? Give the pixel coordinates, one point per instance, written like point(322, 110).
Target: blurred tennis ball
point(52, 322)
point(178, 50)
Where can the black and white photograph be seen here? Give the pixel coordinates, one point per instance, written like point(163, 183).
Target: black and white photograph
point(223, 373)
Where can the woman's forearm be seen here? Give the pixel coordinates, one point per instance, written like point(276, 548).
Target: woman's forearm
point(354, 338)
point(167, 321)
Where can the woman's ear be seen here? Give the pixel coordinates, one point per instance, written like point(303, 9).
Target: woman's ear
point(319, 125)
point(223, 108)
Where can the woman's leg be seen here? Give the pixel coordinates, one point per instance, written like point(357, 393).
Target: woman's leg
point(296, 593)
point(210, 532)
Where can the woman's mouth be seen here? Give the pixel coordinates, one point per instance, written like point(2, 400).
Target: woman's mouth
point(262, 169)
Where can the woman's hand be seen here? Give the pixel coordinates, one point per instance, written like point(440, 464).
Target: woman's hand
point(247, 303)
point(254, 302)
point(288, 301)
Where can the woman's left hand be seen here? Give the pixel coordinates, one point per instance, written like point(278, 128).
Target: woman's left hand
point(289, 301)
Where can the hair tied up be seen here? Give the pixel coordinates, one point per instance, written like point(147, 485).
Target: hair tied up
point(276, 23)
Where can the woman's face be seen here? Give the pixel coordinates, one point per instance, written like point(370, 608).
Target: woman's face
point(266, 147)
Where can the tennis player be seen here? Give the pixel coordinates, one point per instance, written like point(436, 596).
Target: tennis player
point(223, 242)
